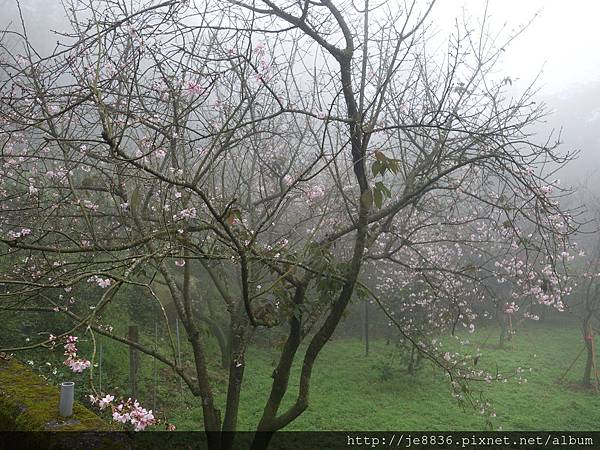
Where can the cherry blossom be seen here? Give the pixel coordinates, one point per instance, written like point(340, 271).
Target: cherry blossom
point(76, 364)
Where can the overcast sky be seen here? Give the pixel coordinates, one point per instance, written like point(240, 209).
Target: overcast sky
point(563, 40)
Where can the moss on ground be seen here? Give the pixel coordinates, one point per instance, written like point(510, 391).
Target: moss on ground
point(28, 403)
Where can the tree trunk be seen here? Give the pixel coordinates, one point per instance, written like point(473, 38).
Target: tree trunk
point(504, 330)
point(280, 375)
point(237, 364)
point(222, 339)
point(502, 338)
point(366, 327)
point(587, 373)
point(262, 439)
point(588, 339)
point(412, 362)
point(212, 415)
point(217, 329)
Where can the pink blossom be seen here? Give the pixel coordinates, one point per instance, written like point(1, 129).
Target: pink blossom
point(130, 411)
point(77, 365)
point(19, 234)
point(288, 180)
point(90, 205)
point(104, 402)
point(140, 417)
point(123, 418)
point(189, 213)
point(102, 282)
point(194, 88)
point(315, 193)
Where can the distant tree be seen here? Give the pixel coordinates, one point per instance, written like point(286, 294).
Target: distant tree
point(453, 261)
point(589, 315)
point(272, 148)
point(586, 299)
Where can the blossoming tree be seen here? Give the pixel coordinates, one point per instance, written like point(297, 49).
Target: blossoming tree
point(164, 144)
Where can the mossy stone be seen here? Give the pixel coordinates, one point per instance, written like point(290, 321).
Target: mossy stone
point(28, 403)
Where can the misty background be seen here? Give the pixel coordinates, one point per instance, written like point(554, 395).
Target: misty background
point(558, 51)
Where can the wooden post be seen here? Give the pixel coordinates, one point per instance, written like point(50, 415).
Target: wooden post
point(134, 361)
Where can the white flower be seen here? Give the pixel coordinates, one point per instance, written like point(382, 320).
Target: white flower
point(104, 402)
point(102, 282)
point(189, 213)
point(90, 205)
point(77, 365)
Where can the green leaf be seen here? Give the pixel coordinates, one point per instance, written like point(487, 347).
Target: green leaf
point(383, 188)
point(376, 168)
point(393, 165)
point(378, 197)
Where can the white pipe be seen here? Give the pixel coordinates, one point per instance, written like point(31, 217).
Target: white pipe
point(67, 395)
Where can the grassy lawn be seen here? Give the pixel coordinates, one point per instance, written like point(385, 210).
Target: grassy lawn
point(348, 392)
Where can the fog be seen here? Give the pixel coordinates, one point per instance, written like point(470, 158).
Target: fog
point(559, 50)
point(198, 208)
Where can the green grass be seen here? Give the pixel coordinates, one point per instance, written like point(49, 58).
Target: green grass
point(348, 393)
